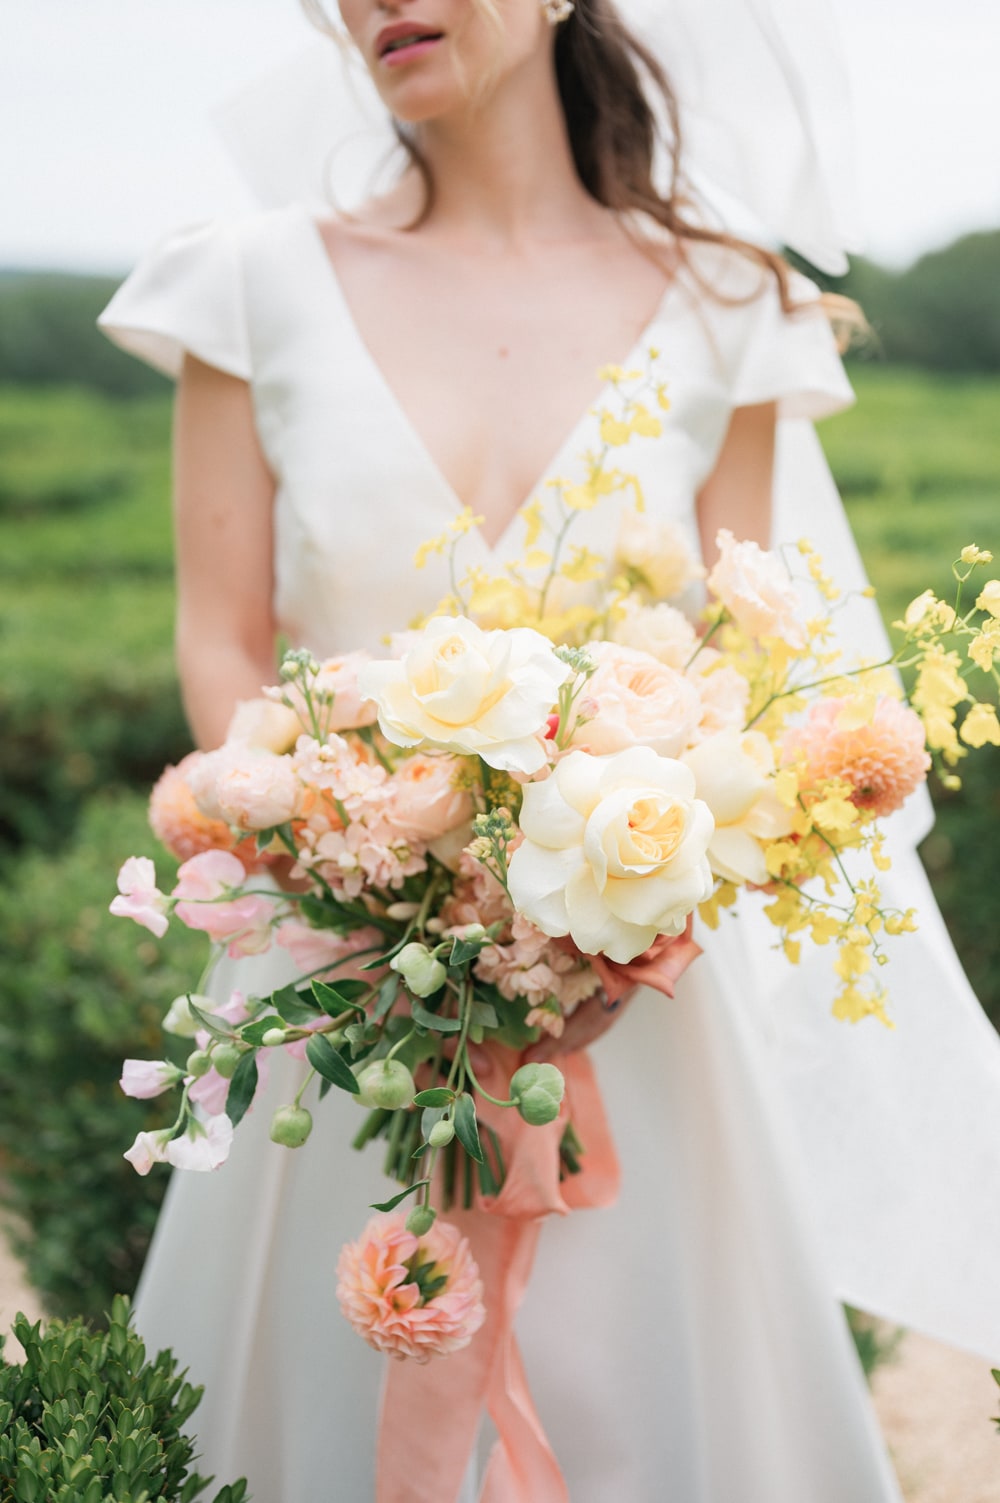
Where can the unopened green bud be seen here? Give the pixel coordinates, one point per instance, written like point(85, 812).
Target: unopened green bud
point(273, 1037)
point(386, 1083)
point(537, 1091)
point(291, 1126)
point(225, 1058)
point(199, 1063)
point(441, 1133)
point(420, 1220)
point(423, 972)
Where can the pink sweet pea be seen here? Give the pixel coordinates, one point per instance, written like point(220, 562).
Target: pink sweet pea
point(204, 1146)
point(145, 1078)
point(201, 884)
point(148, 1149)
point(139, 897)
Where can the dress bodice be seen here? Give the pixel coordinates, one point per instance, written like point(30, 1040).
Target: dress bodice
point(357, 490)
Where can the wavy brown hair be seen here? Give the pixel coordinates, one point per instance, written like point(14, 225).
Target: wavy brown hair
point(623, 121)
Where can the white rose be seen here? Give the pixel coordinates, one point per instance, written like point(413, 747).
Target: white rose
point(614, 852)
point(755, 588)
point(657, 553)
point(734, 775)
point(633, 700)
point(477, 693)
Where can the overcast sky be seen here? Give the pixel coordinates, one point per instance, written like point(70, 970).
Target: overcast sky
point(105, 141)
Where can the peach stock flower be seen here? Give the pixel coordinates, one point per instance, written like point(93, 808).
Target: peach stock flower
point(878, 749)
point(381, 1283)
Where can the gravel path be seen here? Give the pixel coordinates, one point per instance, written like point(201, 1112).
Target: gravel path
point(934, 1404)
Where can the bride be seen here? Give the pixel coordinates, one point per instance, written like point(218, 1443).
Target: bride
point(346, 384)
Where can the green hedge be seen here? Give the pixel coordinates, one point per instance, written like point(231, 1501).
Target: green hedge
point(78, 990)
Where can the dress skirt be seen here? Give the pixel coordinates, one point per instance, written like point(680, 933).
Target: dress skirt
point(683, 1345)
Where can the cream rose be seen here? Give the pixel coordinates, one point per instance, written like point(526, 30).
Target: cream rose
point(734, 775)
point(756, 590)
point(656, 553)
point(634, 700)
point(474, 692)
point(614, 853)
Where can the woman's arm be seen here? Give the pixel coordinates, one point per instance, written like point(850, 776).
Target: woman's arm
point(737, 494)
point(223, 499)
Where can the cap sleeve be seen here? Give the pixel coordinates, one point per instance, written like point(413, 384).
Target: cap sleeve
point(790, 358)
point(185, 296)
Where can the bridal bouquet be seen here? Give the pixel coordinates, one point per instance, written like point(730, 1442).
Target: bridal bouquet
point(491, 833)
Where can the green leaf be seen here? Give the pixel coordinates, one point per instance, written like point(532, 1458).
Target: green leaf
point(466, 1127)
point(390, 1205)
point(334, 999)
point(242, 1088)
point(324, 1058)
point(484, 1015)
point(206, 1021)
point(264, 838)
point(428, 1019)
point(294, 1006)
point(436, 1096)
point(387, 994)
point(464, 950)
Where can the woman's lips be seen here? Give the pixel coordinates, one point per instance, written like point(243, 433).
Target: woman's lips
point(408, 49)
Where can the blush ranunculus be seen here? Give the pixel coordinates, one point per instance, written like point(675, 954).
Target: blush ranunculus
point(423, 800)
point(469, 691)
point(734, 774)
point(614, 853)
point(879, 749)
point(635, 700)
point(661, 630)
point(248, 788)
point(755, 588)
point(379, 1292)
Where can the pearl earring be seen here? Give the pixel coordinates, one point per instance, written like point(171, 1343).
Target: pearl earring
point(556, 11)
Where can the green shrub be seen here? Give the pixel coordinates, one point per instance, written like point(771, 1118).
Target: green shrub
point(85, 1418)
point(77, 991)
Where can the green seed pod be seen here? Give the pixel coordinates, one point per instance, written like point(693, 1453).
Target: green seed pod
point(273, 1037)
point(386, 1083)
point(441, 1133)
point(291, 1126)
point(225, 1058)
point(198, 1063)
point(420, 1220)
point(538, 1091)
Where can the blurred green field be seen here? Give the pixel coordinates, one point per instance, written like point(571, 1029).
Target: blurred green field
point(90, 712)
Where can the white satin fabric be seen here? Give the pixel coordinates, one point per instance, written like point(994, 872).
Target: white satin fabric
point(685, 1343)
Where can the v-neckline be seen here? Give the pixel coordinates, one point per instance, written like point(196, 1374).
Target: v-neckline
point(393, 401)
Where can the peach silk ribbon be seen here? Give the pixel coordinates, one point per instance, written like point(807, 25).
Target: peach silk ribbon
point(431, 1413)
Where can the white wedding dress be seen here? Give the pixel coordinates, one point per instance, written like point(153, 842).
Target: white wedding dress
point(686, 1344)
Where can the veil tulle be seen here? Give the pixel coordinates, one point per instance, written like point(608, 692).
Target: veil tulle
point(900, 1131)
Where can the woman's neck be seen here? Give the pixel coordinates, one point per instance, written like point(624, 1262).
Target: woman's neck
point(503, 172)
